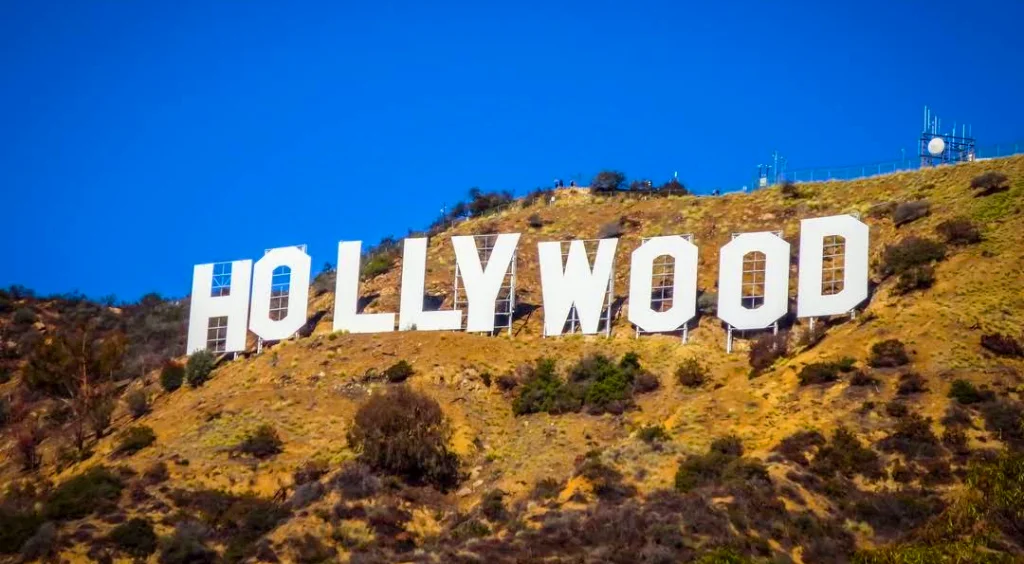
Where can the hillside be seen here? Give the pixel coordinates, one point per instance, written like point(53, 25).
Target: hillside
point(800, 488)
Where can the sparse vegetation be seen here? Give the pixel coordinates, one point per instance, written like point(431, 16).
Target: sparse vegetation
point(404, 433)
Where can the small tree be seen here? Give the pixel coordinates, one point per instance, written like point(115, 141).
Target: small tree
point(198, 369)
point(608, 181)
point(691, 373)
point(405, 433)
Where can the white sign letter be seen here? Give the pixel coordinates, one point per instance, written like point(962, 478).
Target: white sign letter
point(684, 284)
point(577, 285)
point(290, 292)
point(346, 295)
point(773, 276)
point(225, 304)
point(410, 313)
point(810, 301)
point(482, 284)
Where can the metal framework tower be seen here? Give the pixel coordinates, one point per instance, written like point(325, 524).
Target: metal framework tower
point(935, 147)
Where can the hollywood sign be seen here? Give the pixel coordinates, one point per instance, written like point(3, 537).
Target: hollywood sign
point(221, 313)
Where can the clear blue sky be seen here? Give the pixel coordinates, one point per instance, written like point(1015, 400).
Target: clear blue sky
point(140, 138)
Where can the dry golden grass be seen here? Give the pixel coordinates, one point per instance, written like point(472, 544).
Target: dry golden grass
point(309, 388)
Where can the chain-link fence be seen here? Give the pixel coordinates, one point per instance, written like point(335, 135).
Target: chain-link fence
point(820, 174)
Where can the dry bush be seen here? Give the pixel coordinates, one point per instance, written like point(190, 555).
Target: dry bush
point(908, 212)
point(890, 353)
point(1002, 345)
point(910, 383)
point(767, 349)
point(911, 252)
point(959, 231)
point(405, 433)
point(916, 278)
point(262, 442)
point(990, 182)
point(137, 403)
point(610, 230)
point(692, 373)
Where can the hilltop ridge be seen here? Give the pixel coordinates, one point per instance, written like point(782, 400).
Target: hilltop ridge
point(782, 495)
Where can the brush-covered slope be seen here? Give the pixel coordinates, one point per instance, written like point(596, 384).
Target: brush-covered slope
point(604, 484)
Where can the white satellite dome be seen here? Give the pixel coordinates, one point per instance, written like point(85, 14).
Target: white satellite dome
point(936, 146)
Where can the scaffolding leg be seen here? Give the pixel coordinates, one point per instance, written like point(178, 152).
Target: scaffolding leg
point(728, 341)
point(686, 333)
point(811, 324)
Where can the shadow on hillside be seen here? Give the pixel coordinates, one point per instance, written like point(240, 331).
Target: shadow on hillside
point(365, 301)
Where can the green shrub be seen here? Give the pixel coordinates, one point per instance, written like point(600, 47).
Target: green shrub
point(492, 506)
point(17, 525)
point(263, 442)
point(546, 488)
point(134, 538)
point(186, 546)
point(198, 368)
point(965, 393)
point(82, 494)
point(819, 373)
point(171, 376)
point(888, 354)
point(844, 454)
point(723, 460)
point(691, 373)
point(405, 433)
point(911, 252)
point(24, 316)
point(135, 439)
point(707, 303)
point(240, 520)
point(543, 391)
point(377, 264)
point(137, 403)
point(653, 434)
point(398, 372)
